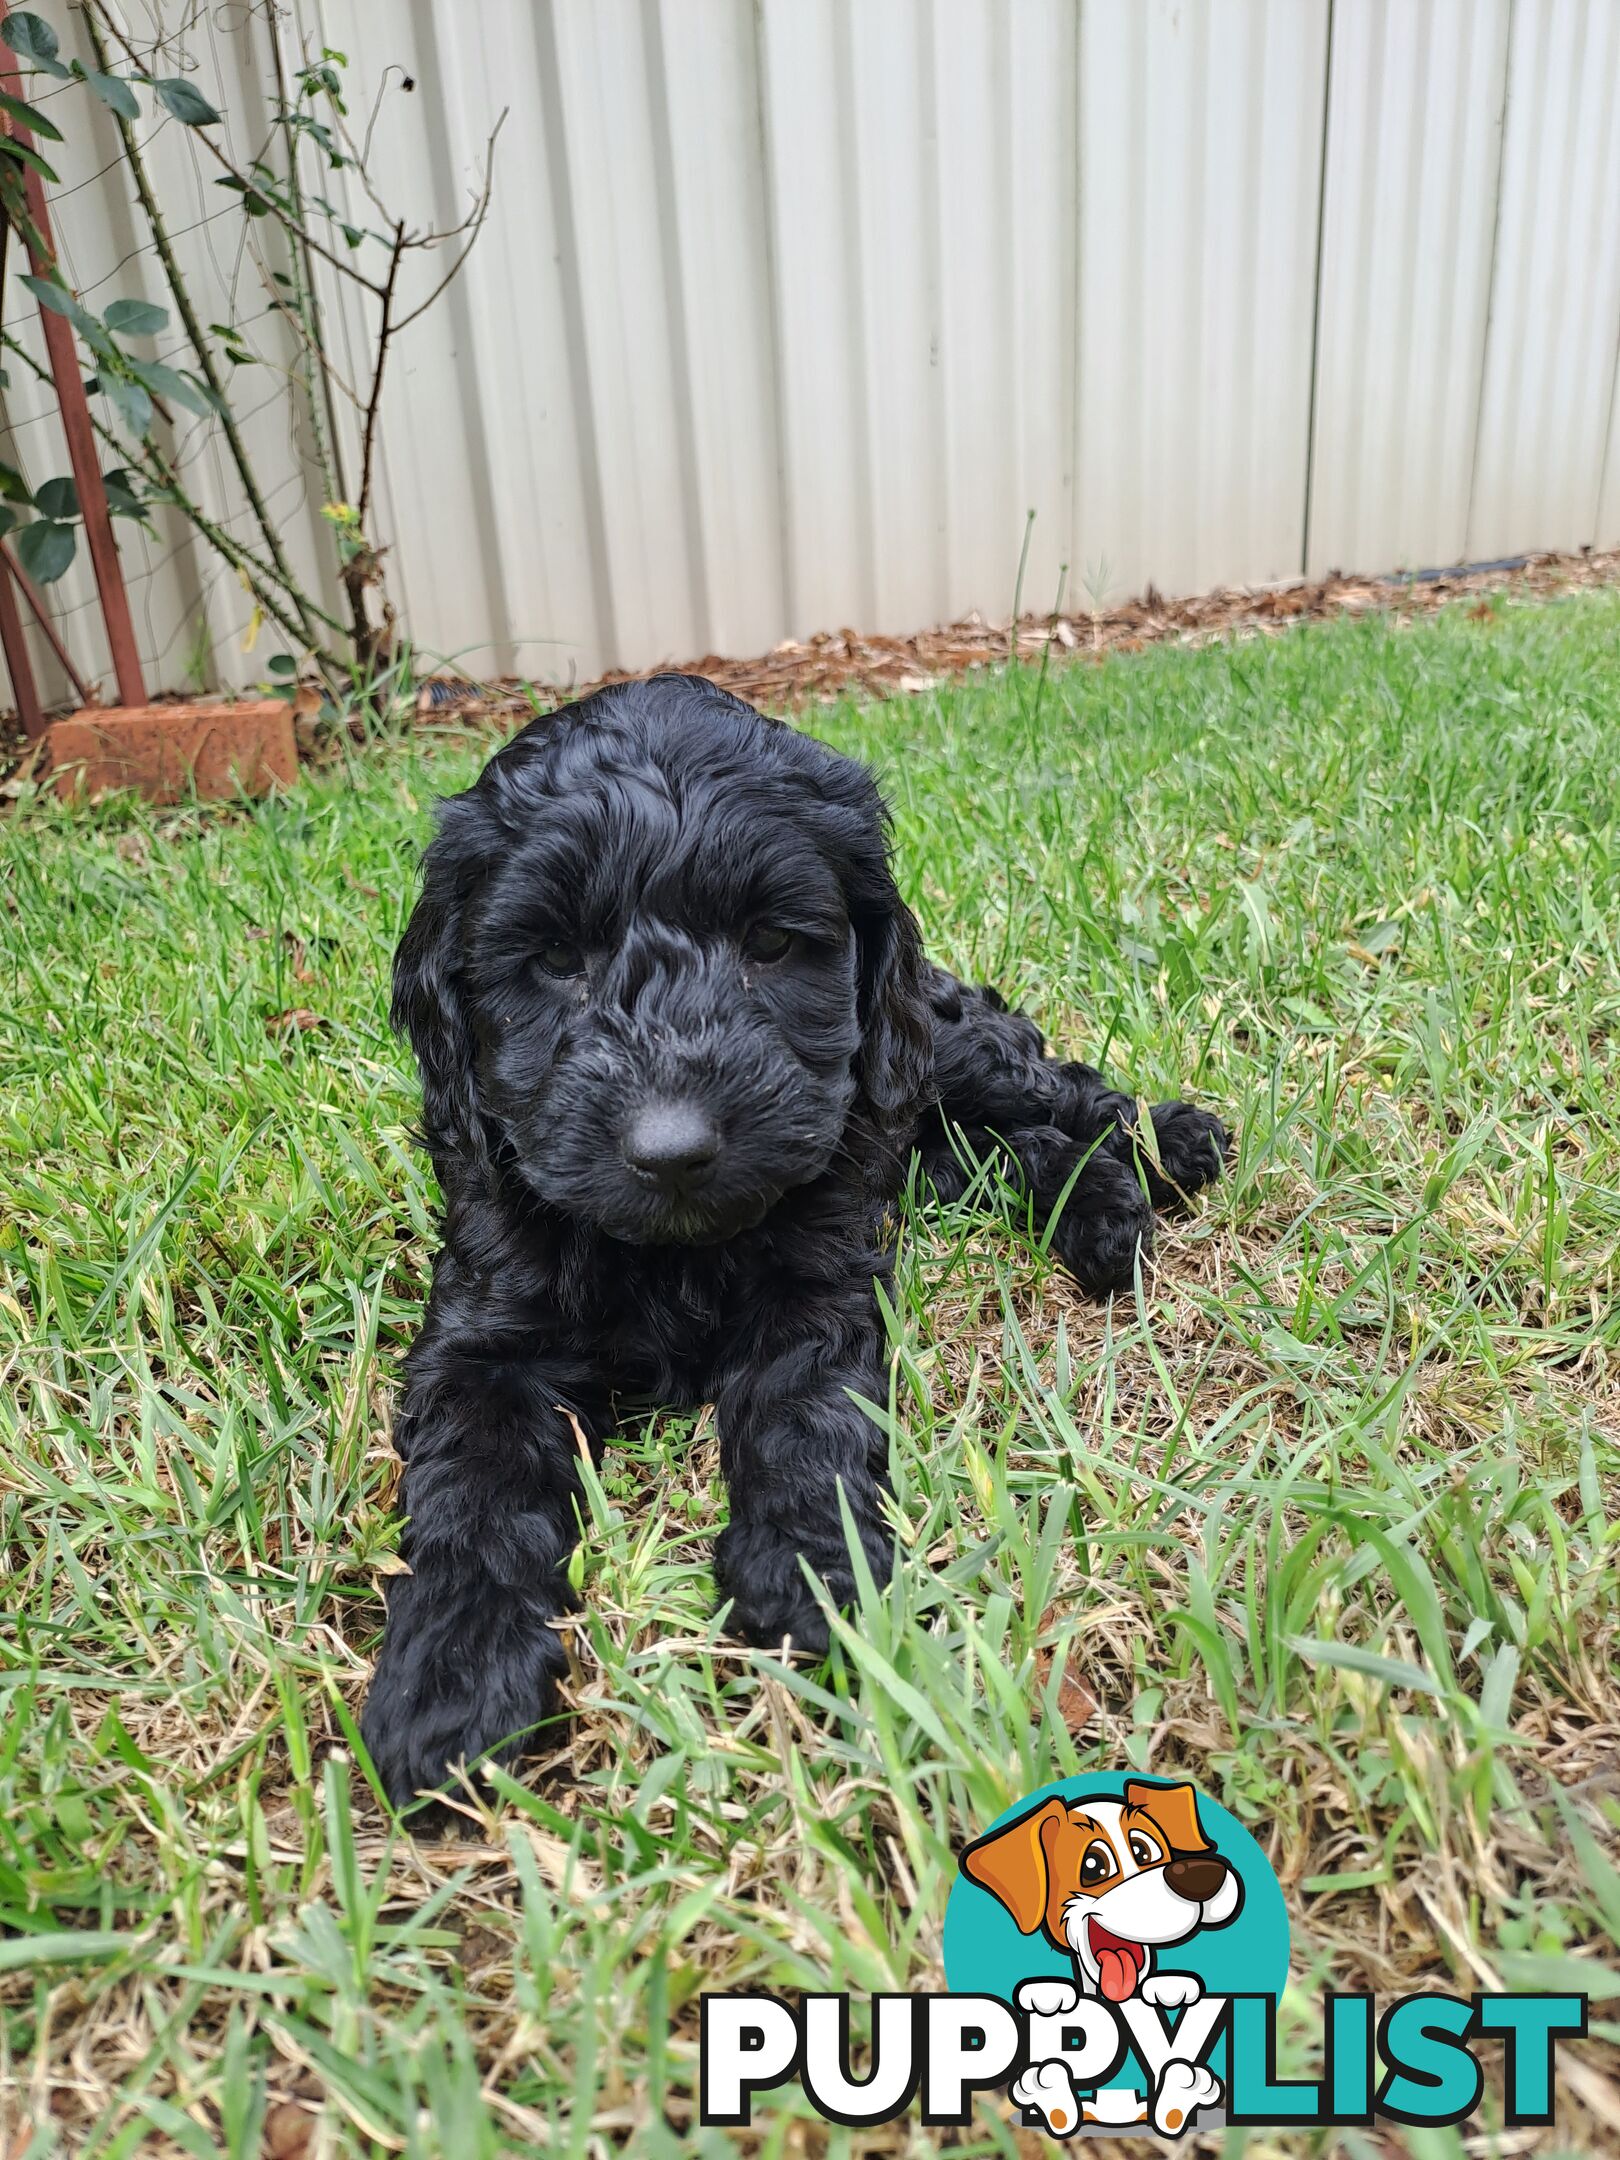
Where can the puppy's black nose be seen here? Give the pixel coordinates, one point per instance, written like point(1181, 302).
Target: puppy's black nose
point(1196, 1875)
point(671, 1144)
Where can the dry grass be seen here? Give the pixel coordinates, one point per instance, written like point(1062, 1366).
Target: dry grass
point(1326, 1515)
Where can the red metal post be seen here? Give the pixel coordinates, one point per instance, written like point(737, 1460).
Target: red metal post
point(81, 442)
point(18, 664)
point(48, 630)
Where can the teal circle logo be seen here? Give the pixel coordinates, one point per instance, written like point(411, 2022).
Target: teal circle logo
point(1108, 1899)
point(1155, 1877)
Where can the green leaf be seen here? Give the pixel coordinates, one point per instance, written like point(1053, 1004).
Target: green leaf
point(178, 2128)
point(1545, 1972)
point(1257, 907)
point(55, 296)
point(17, 153)
point(115, 93)
point(32, 38)
point(282, 664)
point(1394, 1672)
point(235, 351)
point(1309, 1014)
point(13, 486)
point(45, 549)
point(136, 318)
point(128, 400)
point(29, 116)
point(57, 499)
point(8, 518)
point(123, 498)
point(26, 1953)
point(185, 102)
point(167, 382)
point(1378, 937)
point(255, 204)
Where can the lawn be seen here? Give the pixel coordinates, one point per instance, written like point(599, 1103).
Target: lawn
point(1326, 1517)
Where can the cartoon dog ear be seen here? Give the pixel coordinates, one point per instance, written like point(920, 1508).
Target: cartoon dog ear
point(428, 1003)
point(895, 1065)
point(1011, 1864)
point(1175, 1809)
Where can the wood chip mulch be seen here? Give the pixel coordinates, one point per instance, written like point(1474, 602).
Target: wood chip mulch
point(836, 663)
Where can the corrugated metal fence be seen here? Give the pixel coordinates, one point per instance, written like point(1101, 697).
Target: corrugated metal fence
point(788, 312)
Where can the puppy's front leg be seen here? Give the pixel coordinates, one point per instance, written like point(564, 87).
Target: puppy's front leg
point(789, 1437)
point(469, 1658)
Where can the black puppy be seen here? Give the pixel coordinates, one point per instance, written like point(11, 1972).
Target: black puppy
point(677, 1039)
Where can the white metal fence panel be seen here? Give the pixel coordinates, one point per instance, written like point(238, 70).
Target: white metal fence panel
point(1006, 86)
point(1555, 295)
point(1408, 219)
point(719, 223)
point(789, 312)
point(493, 486)
point(1200, 167)
point(1608, 525)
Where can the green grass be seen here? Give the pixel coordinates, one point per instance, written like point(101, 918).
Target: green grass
point(1326, 1517)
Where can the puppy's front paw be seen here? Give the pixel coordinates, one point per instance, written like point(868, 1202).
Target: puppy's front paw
point(1103, 1225)
point(1183, 2089)
point(1047, 1998)
point(756, 1565)
point(1191, 1146)
point(457, 1681)
point(1171, 1990)
point(1047, 2090)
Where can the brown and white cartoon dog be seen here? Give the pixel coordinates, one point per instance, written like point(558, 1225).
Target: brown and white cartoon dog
point(1112, 1882)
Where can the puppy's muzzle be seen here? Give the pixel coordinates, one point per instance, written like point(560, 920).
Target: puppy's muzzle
point(671, 1146)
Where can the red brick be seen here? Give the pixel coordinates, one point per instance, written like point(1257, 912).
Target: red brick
point(171, 751)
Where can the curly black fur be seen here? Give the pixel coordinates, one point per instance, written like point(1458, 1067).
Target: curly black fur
point(677, 1040)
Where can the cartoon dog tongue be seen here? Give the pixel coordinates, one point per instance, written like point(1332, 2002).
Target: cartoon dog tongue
point(1118, 1962)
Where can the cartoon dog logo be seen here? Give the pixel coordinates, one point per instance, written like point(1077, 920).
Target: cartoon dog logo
point(1112, 1883)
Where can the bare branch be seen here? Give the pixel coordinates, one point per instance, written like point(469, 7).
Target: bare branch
point(393, 68)
point(472, 226)
point(385, 331)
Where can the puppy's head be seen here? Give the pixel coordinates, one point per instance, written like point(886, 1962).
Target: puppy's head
point(660, 968)
point(1109, 1880)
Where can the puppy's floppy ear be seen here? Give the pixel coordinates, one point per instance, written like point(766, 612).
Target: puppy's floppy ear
point(428, 1004)
point(1175, 1809)
point(1011, 1864)
point(895, 1064)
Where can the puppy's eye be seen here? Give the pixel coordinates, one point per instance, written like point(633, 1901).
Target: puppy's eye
point(766, 942)
point(1143, 1850)
point(1097, 1864)
point(560, 958)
